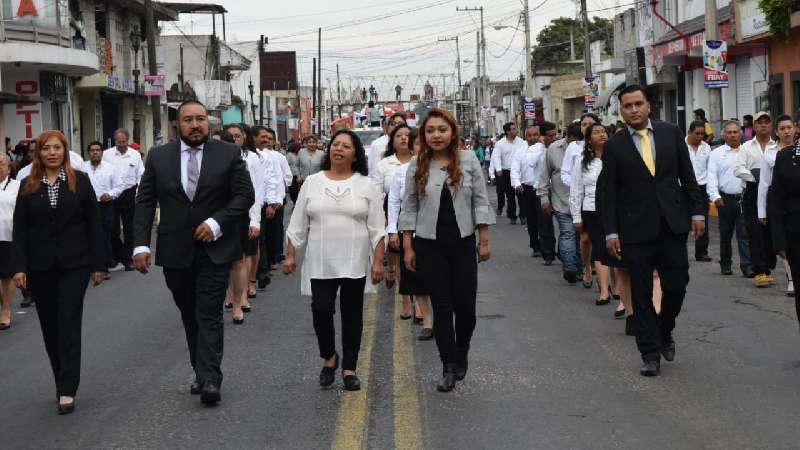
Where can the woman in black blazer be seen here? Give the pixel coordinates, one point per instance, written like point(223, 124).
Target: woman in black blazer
point(57, 247)
point(783, 211)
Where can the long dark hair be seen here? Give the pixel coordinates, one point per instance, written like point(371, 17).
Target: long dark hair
point(38, 170)
point(426, 153)
point(588, 150)
point(390, 146)
point(359, 164)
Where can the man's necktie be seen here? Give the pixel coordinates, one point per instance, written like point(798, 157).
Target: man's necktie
point(192, 173)
point(647, 151)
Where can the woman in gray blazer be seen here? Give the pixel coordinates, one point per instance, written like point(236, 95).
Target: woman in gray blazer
point(445, 201)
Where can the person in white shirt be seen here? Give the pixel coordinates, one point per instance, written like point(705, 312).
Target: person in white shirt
point(748, 167)
point(378, 147)
point(282, 161)
point(107, 187)
point(129, 166)
point(502, 156)
point(8, 200)
point(339, 222)
point(525, 170)
point(699, 151)
point(272, 204)
point(575, 148)
point(725, 190)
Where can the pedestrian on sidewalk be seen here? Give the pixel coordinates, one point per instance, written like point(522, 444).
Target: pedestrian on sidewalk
point(204, 190)
point(532, 137)
point(9, 188)
point(273, 197)
point(339, 222)
point(699, 152)
point(725, 190)
point(107, 186)
point(129, 166)
point(502, 157)
point(445, 202)
point(649, 196)
point(57, 250)
point(526, 167)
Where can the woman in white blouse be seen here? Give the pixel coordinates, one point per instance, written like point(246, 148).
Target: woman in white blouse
point(582, 204)
point(8, 199)
point(383, 180)
point(338, 219)
point(410, 284)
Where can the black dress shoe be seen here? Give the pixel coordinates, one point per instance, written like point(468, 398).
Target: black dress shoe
point(426, 334)
point(66, 408)
point(570, 277)
point(462, 365)
point(264, 280)
point(703, 258)
point(195, 388)
point(630, 326)
point(448, 381)
point(748, 273)
point(352, 383)
point(536, 254)
point(668, 351)
point(726, 271)
point(650, 368)
point(548, 261)
point(328, 374)
point(210, 394)
point(513, 221)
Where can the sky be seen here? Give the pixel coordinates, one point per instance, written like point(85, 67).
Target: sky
point(390, 43)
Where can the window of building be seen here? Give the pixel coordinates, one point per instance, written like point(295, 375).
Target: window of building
point(776, 97)
point(795, 103)
point(101, 20)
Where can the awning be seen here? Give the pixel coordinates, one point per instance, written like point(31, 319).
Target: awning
point(605, 96)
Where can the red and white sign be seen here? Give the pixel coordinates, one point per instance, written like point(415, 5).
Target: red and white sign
point(678, 46)
point(154, 86)
point(22, 120)
point(715, 64)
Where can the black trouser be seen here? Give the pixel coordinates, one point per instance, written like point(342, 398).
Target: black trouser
point(199, 293)
point(730, 220)
point(294, 190)
point(351, 305)
point(668, 255)
point(762, 254)
point(505, 192)
point(59, 303)
point(107, 226)
point(793, 257)
point(701, 244)
point(449, 270)
point(529, 203)
point(523, 208)
point(547, 236)
point(123, 216)
point(270, 240)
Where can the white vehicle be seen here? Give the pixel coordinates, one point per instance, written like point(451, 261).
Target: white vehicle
point(367, 136)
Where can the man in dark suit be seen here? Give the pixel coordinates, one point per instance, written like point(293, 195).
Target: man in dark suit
point(203, 189)
point(650, 197)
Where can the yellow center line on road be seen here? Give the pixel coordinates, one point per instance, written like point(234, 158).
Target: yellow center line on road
point(407, 424)
point(351, 425)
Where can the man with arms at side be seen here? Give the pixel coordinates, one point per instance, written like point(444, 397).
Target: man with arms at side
point(699, 151)
point(203, 189)
point(502, 157)
point(554, 197)
point(128, 163)
point(650, 198)
point(107, 187)
point(525, 169)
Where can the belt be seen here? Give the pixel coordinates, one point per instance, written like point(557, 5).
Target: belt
point(723, 194)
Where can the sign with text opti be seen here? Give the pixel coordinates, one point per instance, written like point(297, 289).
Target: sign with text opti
point(715, 64)
point(530, 108)
point(23, 119)
point(154, 86)
point(591, 91)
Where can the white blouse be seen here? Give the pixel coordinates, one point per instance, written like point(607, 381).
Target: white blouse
point(397, 190)
point(385, 173)
point(8, 199)
point(583, 187)
point(339, 223)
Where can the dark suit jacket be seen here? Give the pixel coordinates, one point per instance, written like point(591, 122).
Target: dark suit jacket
point(783, 199)
point(634, 201)
point(224, 193)
point(67, 237)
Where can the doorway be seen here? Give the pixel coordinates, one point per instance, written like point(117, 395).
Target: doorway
point(110, 106)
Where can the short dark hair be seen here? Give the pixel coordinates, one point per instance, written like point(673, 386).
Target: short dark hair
point(371, 104)
point(190, 102)
point(546, 126)
point(97, 143)
point(574, 131)
point(784, 117)
point(226, 135)
point(630, 90)
point(748, 116)
point(399, 114)
point(507, 127)
point(360, 163)
point(592, 115)
point(254, 131)
point(700, 112)
point(697, 124)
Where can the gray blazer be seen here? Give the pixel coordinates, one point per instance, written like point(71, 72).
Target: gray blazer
point(471, 204)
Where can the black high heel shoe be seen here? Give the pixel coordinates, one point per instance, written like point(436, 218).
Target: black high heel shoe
point(238, 320)
point(602, 301)
point(246, 308)
point(228, 305)
point(66, 408)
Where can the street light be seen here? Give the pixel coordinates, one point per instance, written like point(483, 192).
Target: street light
point(136, 43)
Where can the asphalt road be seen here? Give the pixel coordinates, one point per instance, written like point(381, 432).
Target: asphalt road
point(548, 369)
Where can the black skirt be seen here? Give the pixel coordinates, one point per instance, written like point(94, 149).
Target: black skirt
point(410, 282)
point(594, 226)
point(5, 260)
point(249, 246)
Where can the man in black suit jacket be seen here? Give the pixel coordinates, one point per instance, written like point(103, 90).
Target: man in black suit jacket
point(650, 197)
point(203, 189)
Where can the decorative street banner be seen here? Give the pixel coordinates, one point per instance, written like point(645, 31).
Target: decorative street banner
point(530, 108)
point(154, 86)
point(591, 91)
point(715, 64)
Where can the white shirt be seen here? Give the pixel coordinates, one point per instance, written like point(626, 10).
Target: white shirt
point(254, 165)
point(699, 157)
point(385, 173)
point(527, 165)
point(721, 178)
point(571, 154)
point(272, 186)
point(396, 192)
point(339, 223)
point(583, 188)
point(765, 180)
point(9, 188)
point(286, 170)
point(104, 178)
point(75, 161)
point(503, 154)
point(376, 151)
point(750, 156)
point(129, 166)
point(215, 228)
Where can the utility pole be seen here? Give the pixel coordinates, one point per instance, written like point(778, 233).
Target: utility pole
point(458, 56)
point(714, 94)
point(338, 91)
point(477, 104)
point(155, 101)
point(260, 87)
point(484, 99)
point(313, 94)
point(587, 47)
point(319, 79)
point(528, 53)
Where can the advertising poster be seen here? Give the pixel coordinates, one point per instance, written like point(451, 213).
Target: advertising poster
point(715, 64)
point(591, 91)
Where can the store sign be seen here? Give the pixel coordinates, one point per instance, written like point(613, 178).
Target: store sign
point(154, 86)
point(715, 64)
point(119, 84)
point(40, 13)
point(23, 120)
point(681, 46)
point(529, 108)
point(591, 90)
point(752, 20)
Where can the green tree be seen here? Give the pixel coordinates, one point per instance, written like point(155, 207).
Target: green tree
point(552, 42)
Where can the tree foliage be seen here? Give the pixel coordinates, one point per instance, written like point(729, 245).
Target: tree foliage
point(552, 42)
point(777, 13)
